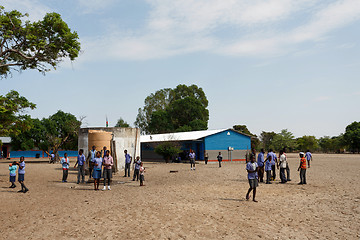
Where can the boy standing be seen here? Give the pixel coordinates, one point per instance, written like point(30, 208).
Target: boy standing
point(192, 159)
point(142, 178)
point(12, 169)
point(308, 157)
point(128, 160)
point(260, 162)
point(90, 159)
point(252, 168)
point(21, 175)
point(219, 158)
point(108, 162)
point(302, 168)
point(65, 166)
point(268, 169)
point(81, 166)
point(137, 168)
point(283, 164)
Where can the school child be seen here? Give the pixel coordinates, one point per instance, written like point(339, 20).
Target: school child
point(65, 166)
point(107, 162)
point(21, 175)
point(308, 157)
point(268, 169)
point(142, 178)
point(192, 159)
point(97, 170)
point(252, 169)
point(302, 168)
point(219, 157)
point(12, 169)
point(282, 164)
point(81, 166)
point(137, 168)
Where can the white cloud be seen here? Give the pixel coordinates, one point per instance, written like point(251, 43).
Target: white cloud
point(34, 8)
point(227, 27)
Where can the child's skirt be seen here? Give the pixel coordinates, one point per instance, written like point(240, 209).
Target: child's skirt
point(97, 174)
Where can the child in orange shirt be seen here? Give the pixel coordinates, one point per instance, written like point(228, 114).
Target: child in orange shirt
point(302, 168)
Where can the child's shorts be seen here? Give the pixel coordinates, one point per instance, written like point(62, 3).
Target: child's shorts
point(12, 178)
point(21, 177)
point(142, 178)
point(96, 174)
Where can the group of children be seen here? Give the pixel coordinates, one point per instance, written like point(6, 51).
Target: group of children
point(21, 174)
point(256, 169)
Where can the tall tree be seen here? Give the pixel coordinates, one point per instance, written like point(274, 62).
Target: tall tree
point(267, 138)
point(183, 108)
point(12, 107)
point(307, 143)
point(37, 45)
point(352, 136)
point(284, 139)
point(122, 123)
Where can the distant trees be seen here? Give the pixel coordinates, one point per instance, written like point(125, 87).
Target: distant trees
point(37, 45)
point(183, 108)
point(12, 118)
point(60, 130)
point(122, 123)
point(307, 143)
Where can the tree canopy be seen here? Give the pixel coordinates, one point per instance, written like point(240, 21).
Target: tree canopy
point(122, 123)
point(352, 136)
point(12, 119)
point(183, 108)
point(59, 131)
point(34, 45)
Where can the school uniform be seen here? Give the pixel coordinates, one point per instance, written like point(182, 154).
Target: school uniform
point(283, 164)
point(260, 162)
point(253, 176)
point(97, 169)
point(81, 168)
point(127, 164)
point(108, 169)
point(137, 170)
point(12, 170)
point(21, 172)
point(65, 166)
point(268, 171)
point(219, 157)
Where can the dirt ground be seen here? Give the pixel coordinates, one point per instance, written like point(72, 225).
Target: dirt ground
point(208, 203)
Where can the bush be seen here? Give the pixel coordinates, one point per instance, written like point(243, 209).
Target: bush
point(167, 150)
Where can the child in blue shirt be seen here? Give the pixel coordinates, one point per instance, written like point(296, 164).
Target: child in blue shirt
point(268, 167)
point(12, 169)
point(21, 175)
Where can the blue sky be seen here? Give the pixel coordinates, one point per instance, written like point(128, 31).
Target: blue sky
point(271, 64)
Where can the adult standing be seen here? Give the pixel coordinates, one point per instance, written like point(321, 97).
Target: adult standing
point(90, 160)
point(308, 157)
point(261, 166)
point(206, 157)
point(192, 159)
point(80, 166)
point(282, 163)
point(65, 166)
point(108, 162)
point(219, 158)
point(128, 160)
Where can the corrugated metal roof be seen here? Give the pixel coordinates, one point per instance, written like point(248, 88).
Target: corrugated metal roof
point(5, 139)
point(179, 136)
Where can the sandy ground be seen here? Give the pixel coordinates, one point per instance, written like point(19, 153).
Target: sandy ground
point(208, 203)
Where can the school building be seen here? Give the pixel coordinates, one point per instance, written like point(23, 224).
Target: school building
point(233, 145)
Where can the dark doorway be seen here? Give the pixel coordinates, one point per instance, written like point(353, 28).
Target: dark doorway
point(4, 152)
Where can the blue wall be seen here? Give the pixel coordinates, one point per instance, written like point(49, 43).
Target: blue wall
point(32, 154)
point(221, 141)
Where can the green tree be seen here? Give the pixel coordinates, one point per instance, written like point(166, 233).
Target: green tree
point(122, 123)
point(183, 108)
point(284, 139)
point(352, 136)
point(37, 45)
point(12, 121)
point(59, 131)
point(167, 150)
point(266, 139)
point(307, 143)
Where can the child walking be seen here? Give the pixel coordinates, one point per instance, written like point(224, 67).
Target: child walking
point(21, 175)
point(302, 168)
point(252, 169)
point(142, 170)
point(12, 169)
